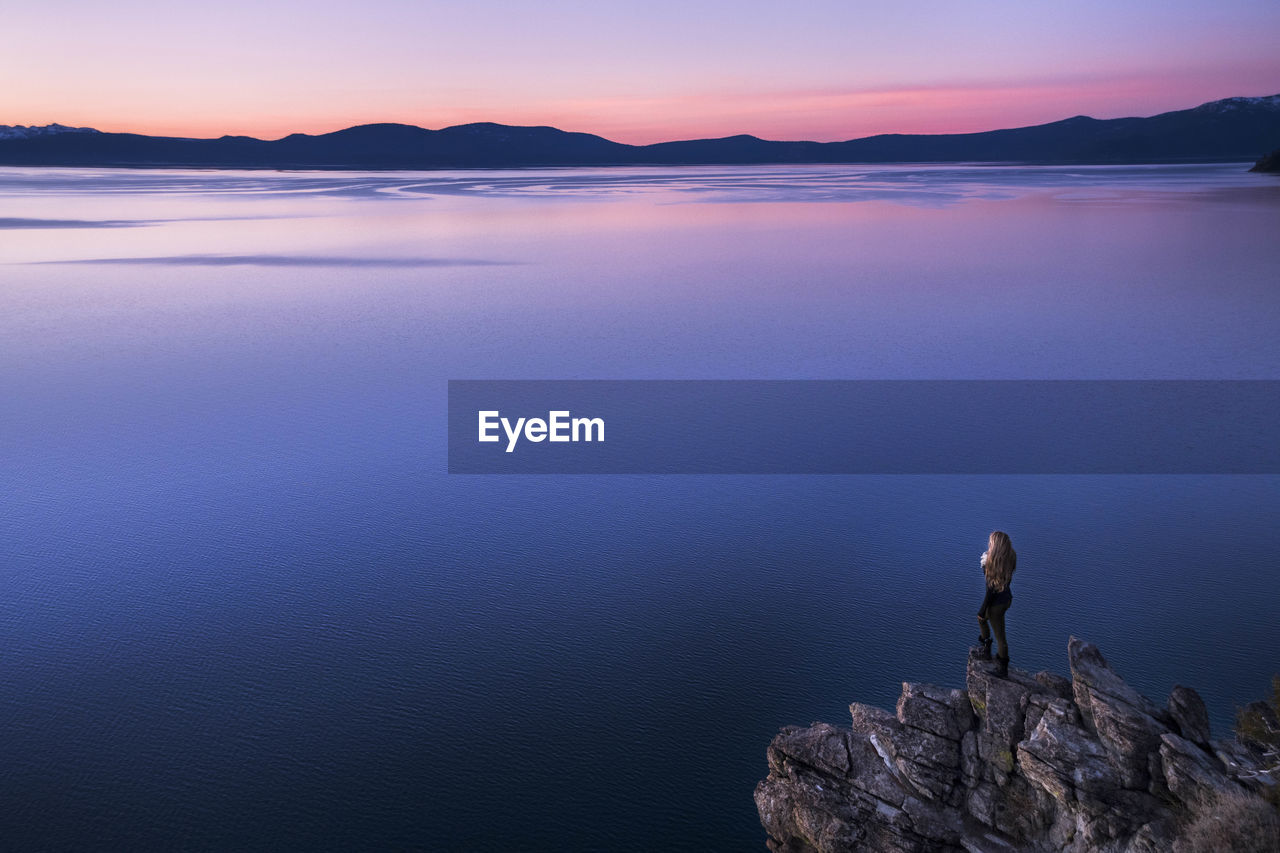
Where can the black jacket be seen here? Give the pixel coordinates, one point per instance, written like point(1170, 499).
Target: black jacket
point(993, 598)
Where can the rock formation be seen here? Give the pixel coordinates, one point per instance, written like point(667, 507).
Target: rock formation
point(1268, 163)
point(1027, 762)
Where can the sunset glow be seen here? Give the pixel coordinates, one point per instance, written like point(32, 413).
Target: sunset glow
point(634, 73)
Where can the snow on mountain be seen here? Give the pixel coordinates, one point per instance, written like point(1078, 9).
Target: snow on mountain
point(21, 131)
point(1226, 105)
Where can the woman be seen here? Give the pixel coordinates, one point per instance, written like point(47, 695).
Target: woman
point(998, 564)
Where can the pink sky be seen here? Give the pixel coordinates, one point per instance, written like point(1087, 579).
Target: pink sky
point(634, 72)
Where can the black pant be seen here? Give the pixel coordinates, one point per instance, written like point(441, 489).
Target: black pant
point(995, 621)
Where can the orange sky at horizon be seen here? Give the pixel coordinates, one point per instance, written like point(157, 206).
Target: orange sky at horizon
point(819, 70)
point(816, 115)
point(809, 115)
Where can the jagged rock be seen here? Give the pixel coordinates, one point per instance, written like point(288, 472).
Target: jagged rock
point(868, 719)
point(1126, 722)
point(1157, 836)
point(931, 763)
point(937, 710)
point(1024, 762)
point(924, 763)
point(933, 821)
point(1024, 811)
point(1092, 677)
point(1064, 759)
point(1268, 162)
point(999, 703)
point(809, 803)
point(1039, 703)
point(1189, 712)
point(1191, 774)
point(1157, 787)
point(1055, 684)
point(970, 766)
point(1248, 766)
point(1000, 706)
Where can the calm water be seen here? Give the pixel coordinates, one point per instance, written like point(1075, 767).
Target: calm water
point(245, 608)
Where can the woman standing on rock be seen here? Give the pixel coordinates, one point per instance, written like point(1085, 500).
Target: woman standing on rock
point(998, 564)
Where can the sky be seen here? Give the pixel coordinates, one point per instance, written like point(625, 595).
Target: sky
point(635, 72)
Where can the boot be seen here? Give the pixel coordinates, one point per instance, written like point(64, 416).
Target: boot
point(1002, 667)
point(984, 648)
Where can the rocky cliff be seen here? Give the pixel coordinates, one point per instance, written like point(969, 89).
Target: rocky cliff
point(1268, 163)
point(1027, 762)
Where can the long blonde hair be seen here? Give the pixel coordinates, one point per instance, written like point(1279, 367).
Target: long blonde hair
point(1001, 561)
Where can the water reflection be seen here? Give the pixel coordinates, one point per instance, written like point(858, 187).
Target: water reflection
point(244, 604)
point(286, 261)
point(906, 184)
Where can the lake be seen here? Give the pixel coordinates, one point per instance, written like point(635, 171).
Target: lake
point(245, 607)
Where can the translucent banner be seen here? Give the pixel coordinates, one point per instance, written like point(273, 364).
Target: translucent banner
point(864, 427)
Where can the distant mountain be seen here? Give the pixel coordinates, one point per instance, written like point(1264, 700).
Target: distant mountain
point(20, 131)
point(1234, 129)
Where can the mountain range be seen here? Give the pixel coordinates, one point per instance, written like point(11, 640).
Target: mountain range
point(1233, 129)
